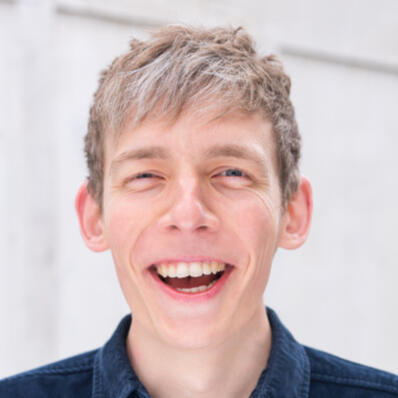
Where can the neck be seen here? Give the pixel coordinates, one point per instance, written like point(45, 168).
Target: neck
point(205, 372)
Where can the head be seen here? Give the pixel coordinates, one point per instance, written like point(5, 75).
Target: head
point(211, 105)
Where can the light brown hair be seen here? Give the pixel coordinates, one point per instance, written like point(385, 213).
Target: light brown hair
point(181, 67)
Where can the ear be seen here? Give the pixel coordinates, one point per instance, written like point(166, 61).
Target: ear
point(90, 220)
point(297, 217)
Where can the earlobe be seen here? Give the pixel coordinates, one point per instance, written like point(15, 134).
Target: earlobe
point(91, 226)
point(298, 214)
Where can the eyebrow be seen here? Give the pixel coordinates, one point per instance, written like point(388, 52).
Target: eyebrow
point(220, 150)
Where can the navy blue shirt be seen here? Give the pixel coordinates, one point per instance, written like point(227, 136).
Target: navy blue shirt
point(293, 371)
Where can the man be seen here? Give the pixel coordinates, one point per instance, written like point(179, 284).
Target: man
point(193, 150)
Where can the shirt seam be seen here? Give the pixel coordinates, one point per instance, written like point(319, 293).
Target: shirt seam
point(355, 382)
point(305, 386)
point(97, 378)
point(49, 372)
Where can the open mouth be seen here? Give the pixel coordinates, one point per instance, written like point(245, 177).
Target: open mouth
point(191, 278)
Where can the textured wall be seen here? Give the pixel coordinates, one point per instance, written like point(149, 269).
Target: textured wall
point(337, 293)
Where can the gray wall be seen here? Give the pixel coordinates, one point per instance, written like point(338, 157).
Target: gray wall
point(337, 293)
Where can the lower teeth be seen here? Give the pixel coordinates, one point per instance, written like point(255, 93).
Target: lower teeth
point(197, 289)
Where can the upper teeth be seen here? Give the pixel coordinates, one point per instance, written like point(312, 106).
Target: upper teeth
point(195, 269)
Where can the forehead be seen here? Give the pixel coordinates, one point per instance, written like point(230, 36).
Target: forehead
point(239, 135)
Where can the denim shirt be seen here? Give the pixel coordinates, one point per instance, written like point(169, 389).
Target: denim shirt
point(293, 371)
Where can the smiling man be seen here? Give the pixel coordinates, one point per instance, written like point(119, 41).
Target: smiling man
point(193, 150)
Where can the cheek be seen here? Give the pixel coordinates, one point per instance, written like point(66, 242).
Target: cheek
point(255, 217)
point(256, 220)
point(122, 224)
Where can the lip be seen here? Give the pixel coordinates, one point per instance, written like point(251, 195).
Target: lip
point(192, 297)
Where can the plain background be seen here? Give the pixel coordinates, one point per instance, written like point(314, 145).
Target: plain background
point(337, 293)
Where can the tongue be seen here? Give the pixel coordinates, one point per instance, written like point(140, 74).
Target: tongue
point(189, 282)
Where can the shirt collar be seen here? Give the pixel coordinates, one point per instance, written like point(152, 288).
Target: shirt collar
point(287, 374)
point(113, 374)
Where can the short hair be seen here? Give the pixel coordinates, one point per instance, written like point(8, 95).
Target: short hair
point(182, 67)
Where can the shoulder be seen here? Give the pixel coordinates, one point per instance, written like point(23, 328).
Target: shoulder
point(65, 378)
point(332, 376)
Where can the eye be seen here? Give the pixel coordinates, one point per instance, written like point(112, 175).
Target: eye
point(233, 173)
point(141, 180)
point(143, 175)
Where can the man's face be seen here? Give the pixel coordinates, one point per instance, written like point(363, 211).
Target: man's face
point(201, 193)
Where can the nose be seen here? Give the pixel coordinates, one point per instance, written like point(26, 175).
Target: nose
point(188, 211)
